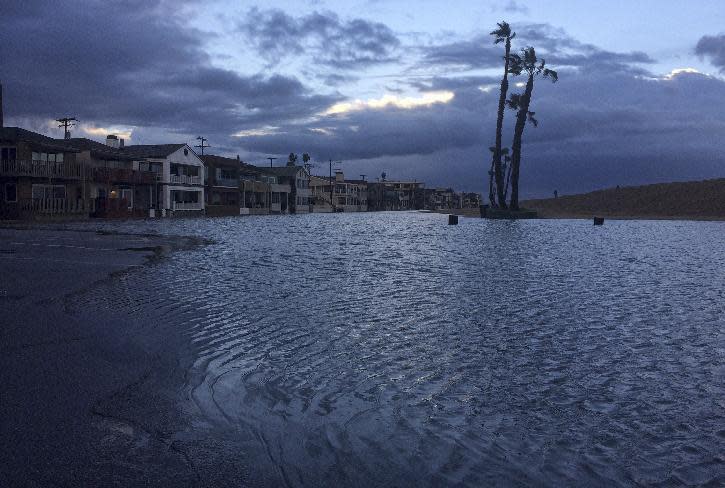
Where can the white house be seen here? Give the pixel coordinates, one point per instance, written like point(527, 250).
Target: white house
point(180, 175)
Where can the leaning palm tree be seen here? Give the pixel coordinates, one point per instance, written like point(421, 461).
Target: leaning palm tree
point(502, 34)
point(521, 102)
point(507, 171)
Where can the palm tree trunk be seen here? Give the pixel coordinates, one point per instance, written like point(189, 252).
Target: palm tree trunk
point(499, 128)
point(516, 145)
point(491, 195)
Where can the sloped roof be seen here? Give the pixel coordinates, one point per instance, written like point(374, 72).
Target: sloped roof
point(288, 171)
point(97, 149)
point(24, 135)
point(138, 151)
point(220, 161)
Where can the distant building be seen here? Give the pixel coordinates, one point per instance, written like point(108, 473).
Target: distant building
point(396, 195)
point(338, 194)
point(261, 192)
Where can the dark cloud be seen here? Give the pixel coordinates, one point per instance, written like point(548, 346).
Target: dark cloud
point(594, 131)
point(331, 41)
point(111, 63)
point(713, 48)
point(559, 49)
point(608, 121)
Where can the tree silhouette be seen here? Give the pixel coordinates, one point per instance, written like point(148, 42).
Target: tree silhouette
point(502, 34)
point(292, 159)
point(521, 102)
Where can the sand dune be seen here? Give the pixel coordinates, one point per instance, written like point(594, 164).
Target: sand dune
point(686, 200)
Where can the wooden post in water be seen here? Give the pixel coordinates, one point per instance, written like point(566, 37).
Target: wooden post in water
point(598, 220)
point(453, 220)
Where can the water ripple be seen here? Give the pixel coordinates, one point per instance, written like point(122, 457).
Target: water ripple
point(393, 349)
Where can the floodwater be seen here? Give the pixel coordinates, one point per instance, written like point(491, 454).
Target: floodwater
point(393, 349)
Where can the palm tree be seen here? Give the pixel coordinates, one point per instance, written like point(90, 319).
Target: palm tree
point(504, 166)
point(521, 102)
point(502, 34)
point(507, 170)
point(292, 159)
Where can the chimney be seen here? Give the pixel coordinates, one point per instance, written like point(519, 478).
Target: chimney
point(1, 105)
point(121, 143)
point(112, 140)
point(339, 176)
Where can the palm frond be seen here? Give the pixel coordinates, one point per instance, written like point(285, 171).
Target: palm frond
point(550, 73)
point(514, 101)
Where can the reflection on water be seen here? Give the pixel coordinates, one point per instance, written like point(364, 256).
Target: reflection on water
point(393, 349)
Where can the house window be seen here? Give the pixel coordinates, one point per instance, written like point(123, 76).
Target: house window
point(40, 192)
point(11, 192)
point(8, 154)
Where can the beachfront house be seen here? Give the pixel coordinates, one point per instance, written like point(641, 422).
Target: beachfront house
point(298, 180)
point(180, 184)
point(337, 194)
point(39, 176)
point(222, 184)
point(116, 185)
point(396, 195)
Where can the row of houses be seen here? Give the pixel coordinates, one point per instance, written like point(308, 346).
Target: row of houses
point(78, 177)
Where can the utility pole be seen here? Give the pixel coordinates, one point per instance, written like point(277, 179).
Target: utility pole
point(271, 160)
point(66, 123)
point(331, 183)
point(363, 177)
point(202, 145)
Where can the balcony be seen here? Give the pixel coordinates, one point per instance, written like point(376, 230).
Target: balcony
point(52, 206)
point(227, 182)
point(186, 206)
point(280, 188)
point(42, 169)
point(122, 175)
point(185, 180)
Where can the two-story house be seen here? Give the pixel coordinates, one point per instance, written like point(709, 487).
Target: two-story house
point(298, 179)
point(180, 186)
point(221, 182)
point(39, 176)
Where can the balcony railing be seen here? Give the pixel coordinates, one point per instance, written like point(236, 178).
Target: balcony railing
point(52, 206)
point(41, 169)
point(186, 180)
point(123, 175)
point(186, 206)
point(279, 188)
point(227, 182)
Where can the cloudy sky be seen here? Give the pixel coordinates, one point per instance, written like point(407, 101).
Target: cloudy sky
point(405, 87)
